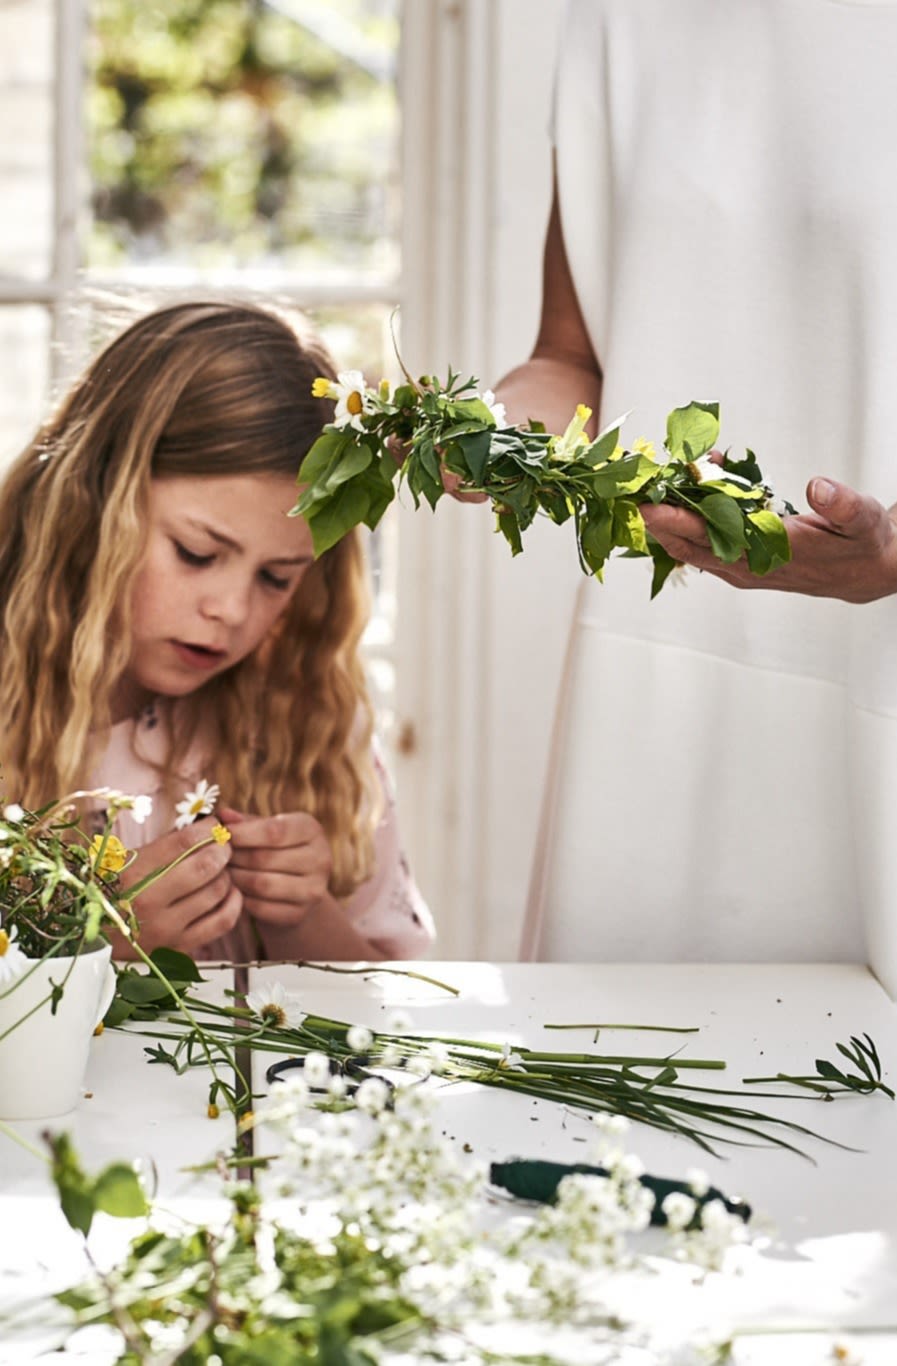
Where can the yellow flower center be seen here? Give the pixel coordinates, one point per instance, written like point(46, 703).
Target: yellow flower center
point(114, 855)
point(355, 403)
point(4, 943)
point(212, 1111)
point(273, 1015)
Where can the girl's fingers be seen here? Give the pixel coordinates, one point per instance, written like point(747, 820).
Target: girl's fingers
point(279, 913)
point(190, 922)
point(197, 869)
point(283, 831)
point(301, 889)
point(217, 923)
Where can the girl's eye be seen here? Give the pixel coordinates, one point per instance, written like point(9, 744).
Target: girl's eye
point(274, 581)
point(189, 557)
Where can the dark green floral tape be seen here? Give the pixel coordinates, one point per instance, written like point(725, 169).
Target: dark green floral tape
point(529, 1179)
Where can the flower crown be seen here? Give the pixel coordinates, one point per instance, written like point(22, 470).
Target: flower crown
point(384, 436)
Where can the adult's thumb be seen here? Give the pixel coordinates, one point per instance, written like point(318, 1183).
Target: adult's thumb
point(839, 505)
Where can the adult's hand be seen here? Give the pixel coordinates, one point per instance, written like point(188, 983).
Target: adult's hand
point(845, 548)
point(281, 864)
point(188, 907)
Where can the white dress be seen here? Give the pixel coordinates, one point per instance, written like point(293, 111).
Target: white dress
point(725, 763)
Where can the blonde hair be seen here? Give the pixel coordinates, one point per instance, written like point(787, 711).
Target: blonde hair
point(191, 389)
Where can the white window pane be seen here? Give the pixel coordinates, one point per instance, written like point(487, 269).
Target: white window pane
point(241, 134)
point(26, 141)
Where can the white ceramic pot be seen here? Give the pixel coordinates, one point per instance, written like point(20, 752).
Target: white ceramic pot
point(44, 1058)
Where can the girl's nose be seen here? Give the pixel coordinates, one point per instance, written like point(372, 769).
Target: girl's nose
point(228, 602)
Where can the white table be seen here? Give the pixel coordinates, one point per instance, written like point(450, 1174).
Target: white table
point(835, 1260)
point(835, 1265)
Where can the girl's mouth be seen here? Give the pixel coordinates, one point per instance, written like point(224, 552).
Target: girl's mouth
point(200, 657)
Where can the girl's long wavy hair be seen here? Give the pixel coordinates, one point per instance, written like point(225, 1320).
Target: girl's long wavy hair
point(192, 389)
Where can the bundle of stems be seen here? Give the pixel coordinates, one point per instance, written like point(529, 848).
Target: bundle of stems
point(189, 1031)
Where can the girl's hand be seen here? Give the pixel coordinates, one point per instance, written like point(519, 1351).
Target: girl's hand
point(281, 864)
point(188, 907)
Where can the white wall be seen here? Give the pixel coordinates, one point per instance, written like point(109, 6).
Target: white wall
point(481, 635)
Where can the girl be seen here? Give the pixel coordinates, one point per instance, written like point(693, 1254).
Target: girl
point(164, 622)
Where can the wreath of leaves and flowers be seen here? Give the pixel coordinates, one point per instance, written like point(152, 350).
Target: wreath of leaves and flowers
point(383, 437)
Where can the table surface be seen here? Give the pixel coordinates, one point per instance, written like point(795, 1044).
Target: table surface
point(832, 1260)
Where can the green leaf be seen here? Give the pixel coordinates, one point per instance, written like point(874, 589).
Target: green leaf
point(629, 526)
point(78, 1207)
point(507, 524)
point(626, 475)
point(177, 967)
point(321, 455)
point(472, 409)
point(725, 526)
point(596, 536)
point(774, 533)
point(118, 1191)
point(746, 468)
point(140, 990)
point(330, 521)
point(692, 430)
point(604, 445)
point(72, 1184)
point(119, 1011)
point(474, 450)
point(664, 565)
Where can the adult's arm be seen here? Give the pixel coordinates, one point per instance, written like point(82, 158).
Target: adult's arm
point(562, 370)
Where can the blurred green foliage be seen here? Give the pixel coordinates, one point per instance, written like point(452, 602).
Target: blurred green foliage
point(244, 133)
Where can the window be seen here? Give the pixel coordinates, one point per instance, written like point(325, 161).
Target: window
point(233, 146)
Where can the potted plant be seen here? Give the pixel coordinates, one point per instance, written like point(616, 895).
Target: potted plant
point(60, 894)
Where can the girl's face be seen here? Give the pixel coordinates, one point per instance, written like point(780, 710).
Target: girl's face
point(222, 562)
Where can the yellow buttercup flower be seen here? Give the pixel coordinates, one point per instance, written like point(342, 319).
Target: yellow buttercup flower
point(114, 855)
point(220, 834)
point(321, 387)
point(643, 447)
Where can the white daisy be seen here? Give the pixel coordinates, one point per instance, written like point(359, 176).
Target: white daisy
point(13, 961)
point(510, 1060)
point(200, 802)
point(275, 1007)
point(352, 400)
point(499, 415)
